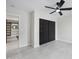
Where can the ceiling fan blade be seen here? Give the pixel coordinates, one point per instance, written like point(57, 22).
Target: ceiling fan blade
point(49, 7)
point(66, 8)
point(60, 13)
point(52, 12)
point(60, 4)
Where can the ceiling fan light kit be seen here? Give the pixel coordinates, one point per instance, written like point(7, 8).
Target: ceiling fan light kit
point(58, 9)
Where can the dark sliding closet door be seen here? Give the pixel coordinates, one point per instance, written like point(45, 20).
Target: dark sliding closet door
point(51, 30)
point(47, 31)
point(43, 31)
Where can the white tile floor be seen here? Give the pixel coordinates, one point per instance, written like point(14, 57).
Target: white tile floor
point(51, 50)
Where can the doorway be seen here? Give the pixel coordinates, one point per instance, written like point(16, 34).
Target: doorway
point(47, 31)
point(12, 34)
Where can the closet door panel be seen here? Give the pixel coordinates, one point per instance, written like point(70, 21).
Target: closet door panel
point(43, 31)
point(51, 30)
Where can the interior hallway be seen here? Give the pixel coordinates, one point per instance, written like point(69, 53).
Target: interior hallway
point(51, 50)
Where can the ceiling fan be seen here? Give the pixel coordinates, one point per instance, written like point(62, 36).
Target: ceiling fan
point(58, 8)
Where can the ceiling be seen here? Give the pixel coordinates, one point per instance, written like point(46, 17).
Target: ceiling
point(30, 5)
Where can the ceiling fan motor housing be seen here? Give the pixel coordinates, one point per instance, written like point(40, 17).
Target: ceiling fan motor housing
point(58, 3)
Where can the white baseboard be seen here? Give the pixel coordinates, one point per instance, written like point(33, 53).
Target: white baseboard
point(66, 41)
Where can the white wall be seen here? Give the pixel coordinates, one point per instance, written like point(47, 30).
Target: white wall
point(24, 25)
point(64, 28)
point(39, 14)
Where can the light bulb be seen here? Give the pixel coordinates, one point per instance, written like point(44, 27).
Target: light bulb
point(58, 10)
